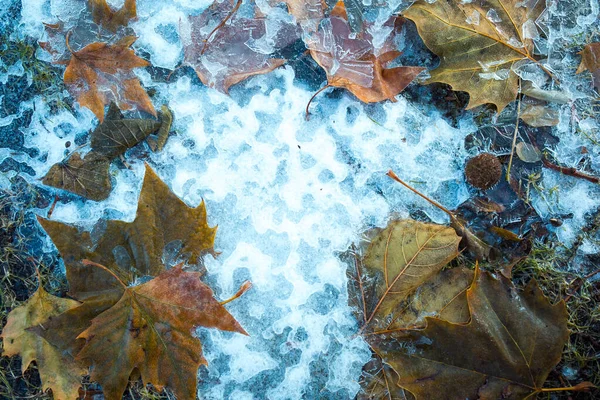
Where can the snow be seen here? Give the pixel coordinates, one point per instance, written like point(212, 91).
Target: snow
point(290, 195)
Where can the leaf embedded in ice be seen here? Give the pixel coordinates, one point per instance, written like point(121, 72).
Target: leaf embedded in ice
point(58, 370)
point(110, 19)
point(507, 350)
point(403, 258)
point(87, 176)
point(590, 61)
point(537, 115)
point(237, 50)
point(101, 73)
point(354, 63)
point(477, 57)
point(151, 329)
point(130, 250)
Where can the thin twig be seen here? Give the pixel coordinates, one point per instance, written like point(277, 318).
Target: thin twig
point(514, 142)
point(570, 171)
point(392, 175)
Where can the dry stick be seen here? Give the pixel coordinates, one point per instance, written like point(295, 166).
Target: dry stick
point(312, 98)
point(243, 289)
point(392, 175)
point(570, 171)
point(221, 24)
point(514, 142)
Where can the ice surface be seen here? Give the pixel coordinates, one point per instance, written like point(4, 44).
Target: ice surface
point(290, 195)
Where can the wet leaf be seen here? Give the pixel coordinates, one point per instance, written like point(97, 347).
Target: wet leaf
point(590, 61)
point(110, 19)
point(87, 176)
point(151, 329)
point(478, 43)
point(237, 50)
point(130, 250)
point(528, 153)
point(307, 13)
point(58, 371)
point(507, 350)
point(355, 64)
point(101, 73)
point(403, 257)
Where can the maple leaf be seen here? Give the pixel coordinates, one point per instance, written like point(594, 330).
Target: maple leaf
point(355, 64)
point(110, 19)
point(101, 73)
point(150, 329)
point(58, 371)
point(405, 256)
point(478, 44)
point(237, 50)
point(507, 350)
point(590, 61)
point(130, 250)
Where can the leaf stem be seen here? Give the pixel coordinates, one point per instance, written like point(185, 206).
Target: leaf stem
point(87, 262)
point(221, 24)
point(312, 98)
point(392, 175)
point(243, 289)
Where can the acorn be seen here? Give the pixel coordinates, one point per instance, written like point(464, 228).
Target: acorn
point(483, 171)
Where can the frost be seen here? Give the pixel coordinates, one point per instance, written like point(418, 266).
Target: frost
point(530, 30)
point(499, 75)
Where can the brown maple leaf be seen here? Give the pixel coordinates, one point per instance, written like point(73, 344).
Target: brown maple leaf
point(101, 73)
point(238, 49)
point(58, 371)
point(130, 250)
point(506, 350)
point(150, 329)
point(478, 43)
point(352, 62)
point(590, 61)
point(110, 19)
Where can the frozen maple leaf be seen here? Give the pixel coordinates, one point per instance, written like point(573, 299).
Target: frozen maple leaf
point(224, 49)
point(150, 329)
point(353, 61)
point(130, 250)
point(101, 73)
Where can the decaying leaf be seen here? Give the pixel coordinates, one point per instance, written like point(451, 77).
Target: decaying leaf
point(528, 153)
point(58, 371)
point(403, 257)
point(478, 43)
point(130, 250)
point(110, 19)
point(590, 61)
point(101, 73)
point(237, 50)
point(354, 63)
point(151, 329)
point(507, 350)
point(87, 176)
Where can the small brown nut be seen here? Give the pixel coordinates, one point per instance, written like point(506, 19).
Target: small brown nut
point(483, 171)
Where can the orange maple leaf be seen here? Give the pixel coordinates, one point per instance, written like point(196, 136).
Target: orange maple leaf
point(100, 73)
point(355, 64)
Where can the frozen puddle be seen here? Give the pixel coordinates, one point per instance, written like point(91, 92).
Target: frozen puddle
point(289, 196)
